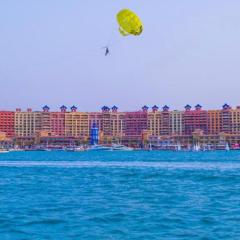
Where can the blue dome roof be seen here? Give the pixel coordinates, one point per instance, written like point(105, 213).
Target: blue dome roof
point(165, 107)
point(198, 106)
point(105, 108)
point(46, 107)
point(63, 107)
point(225, 106)
point(114, 107)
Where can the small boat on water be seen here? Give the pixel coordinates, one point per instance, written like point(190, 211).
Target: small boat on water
point(227, 148)
point(150, 147)
point(119, 147)
point(99, 148)
point(196, 148)
point(75, 149)
point(178, 147)
point(3, 151)
point(16, 150)
point(79, 149)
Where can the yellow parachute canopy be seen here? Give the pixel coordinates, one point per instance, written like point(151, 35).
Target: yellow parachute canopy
point(129, 23)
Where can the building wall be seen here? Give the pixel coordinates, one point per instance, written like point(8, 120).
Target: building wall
point(7, 123)
point(176, 123)
point(214, 121)
point(27, 124)
point(77, 124)
point(95, 117)
point(111, 124)
point(45, 121)
point(135, 123)
point(235, 121)
point(195, 119)
point(165, 126)
point(226, 124)
point(154, 123)
point(117, 124)
point(57, 123)
point(106, 127)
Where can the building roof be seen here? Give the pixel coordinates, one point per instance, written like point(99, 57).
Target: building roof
point(155, 107)
point(187, 106)
point(145, 107)
point(105, 108)
point(73, 107)
point(226, 106)
point(46, 107)
point(63, 107)
point(165, 107)
point(198, 106)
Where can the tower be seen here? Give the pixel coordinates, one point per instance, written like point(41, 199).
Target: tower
point(94, 134)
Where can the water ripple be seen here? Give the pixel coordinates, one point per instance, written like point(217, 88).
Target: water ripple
point(115, 164)
point(120, 196)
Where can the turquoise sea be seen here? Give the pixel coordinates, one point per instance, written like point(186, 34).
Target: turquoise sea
point(120, 195)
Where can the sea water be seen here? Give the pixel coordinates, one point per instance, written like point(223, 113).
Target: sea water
point(119, 195)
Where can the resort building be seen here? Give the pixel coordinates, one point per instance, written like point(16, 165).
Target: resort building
point(196, 119)
point(106, 127)
point(77, 124)
point(226, 117)
point(45, 120)
point(110, 122)
point(165, 126)
point(214, 121)
point(7, 123)
point(131, 128)
point(27, 124)
point(57, 122)
point(136, 123)
point(235, 120)
point(176, 125)
point(154, 121)
point(117, 123)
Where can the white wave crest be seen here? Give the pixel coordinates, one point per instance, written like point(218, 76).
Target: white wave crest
point(123, 164)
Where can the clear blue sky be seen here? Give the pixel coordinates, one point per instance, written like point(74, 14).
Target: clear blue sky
point(50, 53)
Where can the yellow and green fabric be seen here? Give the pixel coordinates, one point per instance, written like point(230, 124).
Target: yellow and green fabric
point(129, 23)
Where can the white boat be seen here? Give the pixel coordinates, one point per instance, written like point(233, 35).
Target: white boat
point(75, 149)
point(16, 150)
point(99, 148)
point(150, 147)
point(79, 149)
point(227, 148)
point(179, 147)
point(119, 147)
point(196, 148)
point(3, 151)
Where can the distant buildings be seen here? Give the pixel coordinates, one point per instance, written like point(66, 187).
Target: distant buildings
point(195, 119)
point(134, 127)
point(7, 125)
